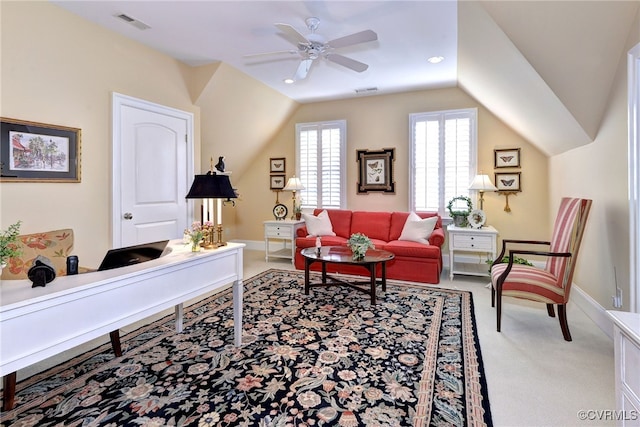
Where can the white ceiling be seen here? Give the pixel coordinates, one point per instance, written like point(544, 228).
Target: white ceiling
point(201, 32)
point(546, 68)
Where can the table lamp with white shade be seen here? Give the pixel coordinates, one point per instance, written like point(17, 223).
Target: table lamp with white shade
point(294, 184)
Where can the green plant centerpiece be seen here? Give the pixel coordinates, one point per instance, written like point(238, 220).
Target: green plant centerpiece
point(458, 215)
point(359, 244)
point(9, 247)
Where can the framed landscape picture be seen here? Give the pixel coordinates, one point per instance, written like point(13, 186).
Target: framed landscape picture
point(32, 151)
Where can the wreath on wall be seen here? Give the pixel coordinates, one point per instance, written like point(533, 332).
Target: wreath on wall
point(460, 217)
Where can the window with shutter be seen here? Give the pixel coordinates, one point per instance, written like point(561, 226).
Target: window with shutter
point(442, 158)
point(320, 163)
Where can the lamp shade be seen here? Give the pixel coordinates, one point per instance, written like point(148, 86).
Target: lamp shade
point(294, 184)
point(482, 183)
point(211, 186)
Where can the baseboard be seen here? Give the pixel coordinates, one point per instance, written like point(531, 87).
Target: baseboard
point(593, 310)
point(252, 245)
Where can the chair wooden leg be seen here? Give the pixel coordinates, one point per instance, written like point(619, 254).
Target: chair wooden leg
point(562, 316)
point(498, 309)
point(493, 295)
point(9, 391)
point(550, 310)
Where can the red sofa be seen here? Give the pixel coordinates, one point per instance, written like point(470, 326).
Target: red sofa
point(413, 261)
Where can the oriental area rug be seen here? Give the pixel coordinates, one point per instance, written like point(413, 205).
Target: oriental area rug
point(329, 358)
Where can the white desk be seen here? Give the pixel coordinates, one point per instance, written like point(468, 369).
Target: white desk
point(37, 323)
point(626, 333)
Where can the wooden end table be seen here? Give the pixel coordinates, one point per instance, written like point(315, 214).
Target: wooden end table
point(343, 255)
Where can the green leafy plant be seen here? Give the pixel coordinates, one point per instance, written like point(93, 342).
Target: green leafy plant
point(359, 243)
point(9, 243)
point(516, 260)
point(459, 216)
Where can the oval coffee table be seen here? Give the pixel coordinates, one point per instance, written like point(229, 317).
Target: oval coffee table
point(343, 255)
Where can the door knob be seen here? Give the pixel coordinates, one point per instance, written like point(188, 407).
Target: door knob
point(128, 215)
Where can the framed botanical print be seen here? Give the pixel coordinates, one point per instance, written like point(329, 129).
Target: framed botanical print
point(277, 182)
point(277, 165)
point(508, 181)
point(508, 158)
point(376, 170)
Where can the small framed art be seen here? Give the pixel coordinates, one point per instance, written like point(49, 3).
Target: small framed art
point(32, 151)
point(508, 158)
point(376, 170)
point(277, 182)
point(508, 181)
point(277, 165)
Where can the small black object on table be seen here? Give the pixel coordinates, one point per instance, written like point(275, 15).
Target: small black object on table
point(344, 255)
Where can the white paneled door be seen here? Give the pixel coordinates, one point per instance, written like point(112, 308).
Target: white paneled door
point(153, 168)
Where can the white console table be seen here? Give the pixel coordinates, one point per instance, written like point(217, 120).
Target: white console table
point(37, 323)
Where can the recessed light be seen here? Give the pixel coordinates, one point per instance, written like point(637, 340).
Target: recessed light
point(436, 59)
point(289, 81)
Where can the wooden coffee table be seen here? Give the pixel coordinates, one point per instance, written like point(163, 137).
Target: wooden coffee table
point(343, 255)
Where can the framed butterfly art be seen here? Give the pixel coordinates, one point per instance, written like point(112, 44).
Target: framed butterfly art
point(376, 170)
point(508, 158)
point(508, 181)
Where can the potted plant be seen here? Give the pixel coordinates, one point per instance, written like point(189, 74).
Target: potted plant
point(9, 247)
point(359, 243)
point(459, 216)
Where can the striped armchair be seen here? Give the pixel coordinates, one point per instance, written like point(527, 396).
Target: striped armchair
point(551, 285)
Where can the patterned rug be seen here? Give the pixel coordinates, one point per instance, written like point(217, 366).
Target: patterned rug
point(329, 358)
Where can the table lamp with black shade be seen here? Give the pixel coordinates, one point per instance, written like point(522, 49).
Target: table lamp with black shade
point(213, 186)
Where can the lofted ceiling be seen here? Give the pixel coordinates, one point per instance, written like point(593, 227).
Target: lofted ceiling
point(545, 68)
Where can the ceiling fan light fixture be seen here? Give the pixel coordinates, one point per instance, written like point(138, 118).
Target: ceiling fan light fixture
point(435, 59)
point(289, 80)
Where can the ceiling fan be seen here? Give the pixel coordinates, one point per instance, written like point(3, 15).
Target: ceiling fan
point(314, 46)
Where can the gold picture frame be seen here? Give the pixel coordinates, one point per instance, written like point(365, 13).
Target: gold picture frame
point(38, 152)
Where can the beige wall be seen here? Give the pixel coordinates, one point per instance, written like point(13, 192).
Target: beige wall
point(599, 171)
point(60, 69)
point(376, 122)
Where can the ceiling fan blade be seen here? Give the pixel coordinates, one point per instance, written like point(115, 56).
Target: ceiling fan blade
point(347, 62)
point(292, 34)
point(303, 69)
point(276, 52)
point(361, 37)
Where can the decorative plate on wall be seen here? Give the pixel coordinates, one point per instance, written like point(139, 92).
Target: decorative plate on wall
point(280, 211)
point(476, 218)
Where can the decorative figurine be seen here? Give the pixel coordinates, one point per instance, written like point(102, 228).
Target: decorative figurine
point(220, 165)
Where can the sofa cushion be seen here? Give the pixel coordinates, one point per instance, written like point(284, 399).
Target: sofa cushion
point(375, 225)
point(340, 220)
point(398, 220)
point(309, 242)
point(417, 229)
point(319, 225)
point(55, 245)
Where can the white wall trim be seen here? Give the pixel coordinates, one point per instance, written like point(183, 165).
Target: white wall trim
point(593, 310)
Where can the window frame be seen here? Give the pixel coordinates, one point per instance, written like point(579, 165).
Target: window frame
point(320, 126)
point(442, 115)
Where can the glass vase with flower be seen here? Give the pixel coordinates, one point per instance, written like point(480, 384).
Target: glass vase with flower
point(194, 235)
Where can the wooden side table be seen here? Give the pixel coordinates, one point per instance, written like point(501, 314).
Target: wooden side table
point(477, 240)
point(285, 232)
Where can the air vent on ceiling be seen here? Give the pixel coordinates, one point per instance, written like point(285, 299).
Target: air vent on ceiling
point(136, 23)
point(367, 90)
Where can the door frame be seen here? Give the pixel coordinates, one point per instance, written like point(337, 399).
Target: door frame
point(118, 101)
